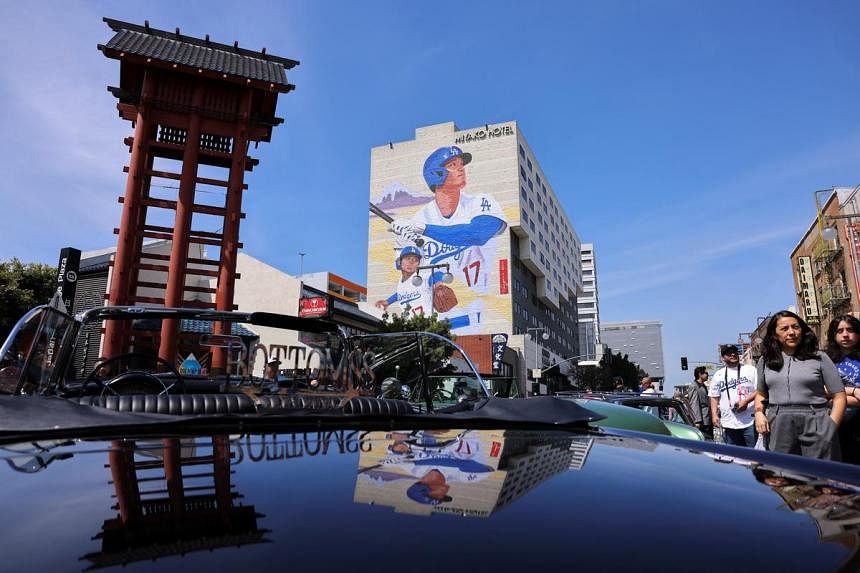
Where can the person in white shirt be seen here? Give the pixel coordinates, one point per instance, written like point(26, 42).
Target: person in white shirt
point(732, 394)
point(648, 386)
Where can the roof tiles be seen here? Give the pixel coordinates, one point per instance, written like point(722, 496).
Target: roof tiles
point(202, 54)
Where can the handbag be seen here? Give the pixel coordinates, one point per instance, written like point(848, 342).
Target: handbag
point(761, 442)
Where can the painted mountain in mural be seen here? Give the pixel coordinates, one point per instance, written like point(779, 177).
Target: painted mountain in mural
point(396, 195)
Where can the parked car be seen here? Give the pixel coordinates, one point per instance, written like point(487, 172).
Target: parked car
point(673, 414)
point(382, 451)
point(620, 417)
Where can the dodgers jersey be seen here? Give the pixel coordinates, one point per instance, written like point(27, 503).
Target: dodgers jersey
point(730, 385)
point(849, 371)
point(419, 298)
point(470, 262)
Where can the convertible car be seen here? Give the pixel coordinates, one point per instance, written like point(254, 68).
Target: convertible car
point(190, 440)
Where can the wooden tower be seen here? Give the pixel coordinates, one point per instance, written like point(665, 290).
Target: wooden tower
point(193, 102)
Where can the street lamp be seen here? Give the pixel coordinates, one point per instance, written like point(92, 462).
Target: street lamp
point(583, 363)
point(538, 350)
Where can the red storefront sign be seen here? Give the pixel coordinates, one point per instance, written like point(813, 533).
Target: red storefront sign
point(313, 306)
point(503, 276)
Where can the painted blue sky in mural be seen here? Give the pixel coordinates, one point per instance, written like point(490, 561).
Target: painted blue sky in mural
point(684, 139)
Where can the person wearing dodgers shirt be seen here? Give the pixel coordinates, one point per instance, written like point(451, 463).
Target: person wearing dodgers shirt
point(732, 394)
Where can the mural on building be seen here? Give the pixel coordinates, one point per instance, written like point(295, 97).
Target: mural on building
point(440, 244)
point(432, 471)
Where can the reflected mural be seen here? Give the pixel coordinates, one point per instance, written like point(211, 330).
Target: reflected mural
point(465, 472)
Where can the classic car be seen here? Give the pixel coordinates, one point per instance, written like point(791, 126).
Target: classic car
point(380, 451)
point(673, 416)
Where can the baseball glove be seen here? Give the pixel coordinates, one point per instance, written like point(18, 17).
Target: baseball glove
point(444, 298)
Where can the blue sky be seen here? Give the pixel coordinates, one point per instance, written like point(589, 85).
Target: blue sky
point(684, 139)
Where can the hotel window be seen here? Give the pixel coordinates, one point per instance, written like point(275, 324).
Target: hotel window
point(522, 152)
point(529, 163)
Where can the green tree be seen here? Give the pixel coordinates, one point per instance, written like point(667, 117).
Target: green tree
point(407, 322)
point(23, 286)
point(611, 366)
point(403, 350)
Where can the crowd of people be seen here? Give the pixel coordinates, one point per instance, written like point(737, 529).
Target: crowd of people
point(798, 399)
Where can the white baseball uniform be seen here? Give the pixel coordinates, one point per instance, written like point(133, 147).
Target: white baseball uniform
point(470, 264)
point(418, 298)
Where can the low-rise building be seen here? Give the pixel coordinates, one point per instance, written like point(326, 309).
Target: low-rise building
point(825, 262)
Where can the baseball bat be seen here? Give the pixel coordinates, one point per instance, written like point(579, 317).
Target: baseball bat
point(389, 219)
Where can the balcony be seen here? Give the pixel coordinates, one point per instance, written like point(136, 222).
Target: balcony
point(833, 297)
point(826, 251)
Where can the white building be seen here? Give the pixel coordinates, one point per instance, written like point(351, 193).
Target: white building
point(641, 341)
point(523, 280)
point(260, 287)
point(587, 305)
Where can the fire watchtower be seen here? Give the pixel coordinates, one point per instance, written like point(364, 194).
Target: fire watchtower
point(193, 102)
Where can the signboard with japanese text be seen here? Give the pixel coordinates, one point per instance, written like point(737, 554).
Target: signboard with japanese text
point(500, 342)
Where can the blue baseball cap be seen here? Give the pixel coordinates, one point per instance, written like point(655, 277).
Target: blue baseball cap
point(408, 250)
point(420, 492)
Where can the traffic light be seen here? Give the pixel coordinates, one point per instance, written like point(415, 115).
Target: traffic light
point(683, 363)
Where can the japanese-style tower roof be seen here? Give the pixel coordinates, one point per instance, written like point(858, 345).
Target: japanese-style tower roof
point(175, 49)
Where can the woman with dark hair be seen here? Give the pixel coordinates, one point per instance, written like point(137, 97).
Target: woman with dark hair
point(795, 378)
point(843, 347)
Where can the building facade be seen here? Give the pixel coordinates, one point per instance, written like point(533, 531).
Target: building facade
point(587, 305)
point(260, 287)
point(475, 207)
point(641, 341)
point(825, 263)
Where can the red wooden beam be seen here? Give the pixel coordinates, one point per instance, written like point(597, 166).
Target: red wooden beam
point(175, 177)
point(129, 235)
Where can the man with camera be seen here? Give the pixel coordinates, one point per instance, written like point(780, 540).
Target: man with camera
point(732, 394)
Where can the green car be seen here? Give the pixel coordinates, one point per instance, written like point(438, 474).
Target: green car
point(636, 414)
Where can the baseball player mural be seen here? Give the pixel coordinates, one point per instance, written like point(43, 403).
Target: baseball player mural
point(454, 232)
point(457, 228)
point(419, 296)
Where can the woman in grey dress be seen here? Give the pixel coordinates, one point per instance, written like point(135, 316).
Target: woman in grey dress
point(795, 379)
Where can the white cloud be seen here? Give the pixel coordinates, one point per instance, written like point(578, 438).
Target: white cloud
point(667, 269)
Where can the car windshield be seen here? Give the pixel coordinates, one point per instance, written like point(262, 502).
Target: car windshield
point(162, 352)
